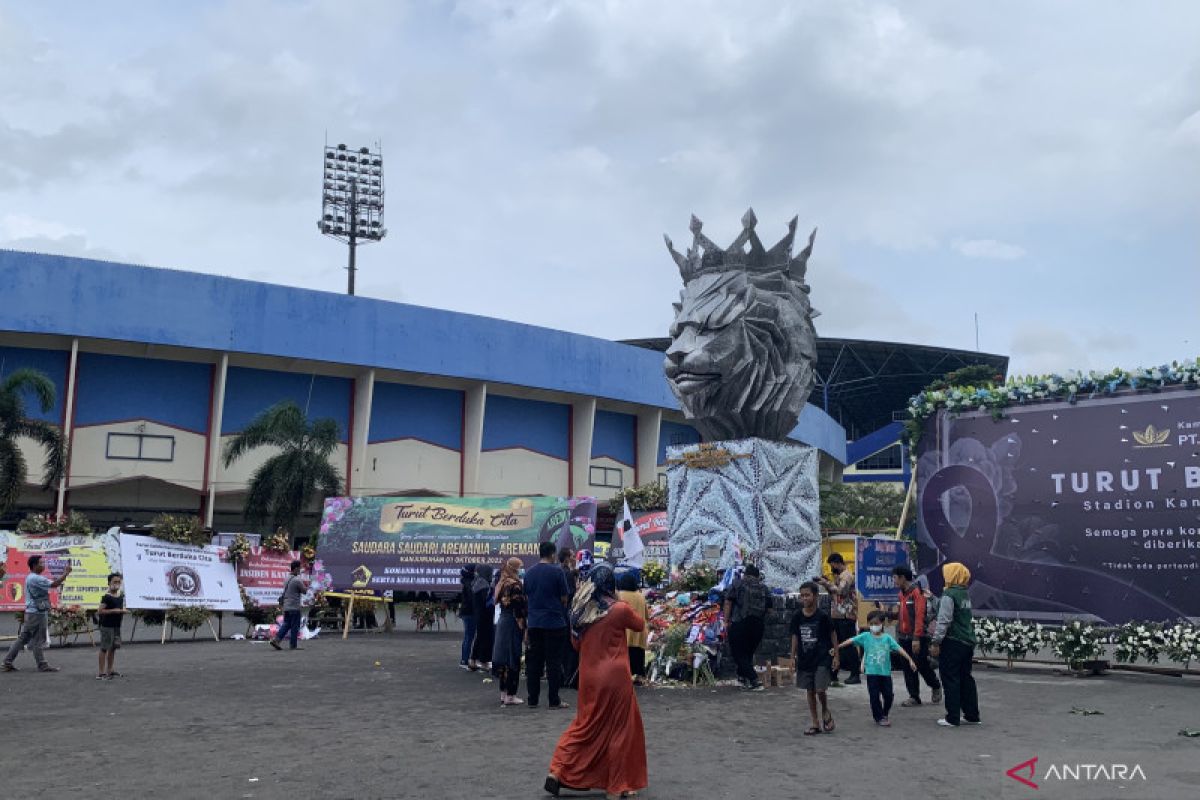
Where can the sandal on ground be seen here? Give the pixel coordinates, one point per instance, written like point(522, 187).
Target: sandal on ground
point(560, 705)
point(910, 702)
point(812, 731)
point(8, 668)
point(827, 721)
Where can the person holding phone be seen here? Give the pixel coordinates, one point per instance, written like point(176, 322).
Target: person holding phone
point(37, 615)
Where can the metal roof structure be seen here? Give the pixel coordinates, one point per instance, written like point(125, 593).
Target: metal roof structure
point(865, 384)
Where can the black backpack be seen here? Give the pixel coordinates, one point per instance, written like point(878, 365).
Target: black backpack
point(751, 600)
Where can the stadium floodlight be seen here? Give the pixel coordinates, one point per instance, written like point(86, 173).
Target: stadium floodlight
point(352, 199)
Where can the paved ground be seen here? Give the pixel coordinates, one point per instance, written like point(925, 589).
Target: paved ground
point(391, 716)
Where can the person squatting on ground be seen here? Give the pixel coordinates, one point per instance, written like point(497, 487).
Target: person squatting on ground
point(37, 615)
point(292, 601)
point(914, 638)
point(547, 592)
point(746, 606)
point(954, 648)
point(510, 631)
point(632, 596)
point(605, 745)
point(466, 612)
point(814, 649)
point(108, 618)
point(843, 609)
point(877, 656)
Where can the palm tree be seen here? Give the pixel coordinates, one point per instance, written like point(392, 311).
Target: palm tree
point(285, 484)
point(14, 424)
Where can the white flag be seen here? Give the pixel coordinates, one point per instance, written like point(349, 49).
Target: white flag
point(631, 541)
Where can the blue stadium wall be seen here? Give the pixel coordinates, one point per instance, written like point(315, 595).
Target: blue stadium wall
point(156, 369)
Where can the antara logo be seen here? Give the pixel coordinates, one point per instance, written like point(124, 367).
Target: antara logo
point(1026, 772)
point(1030, 765)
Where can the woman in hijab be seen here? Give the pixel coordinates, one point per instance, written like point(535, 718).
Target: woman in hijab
point(954, 647)
point(605, 745)
point(510, 631)
point(466, 612)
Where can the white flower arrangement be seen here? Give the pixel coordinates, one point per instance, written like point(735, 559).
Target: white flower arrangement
point(1138, 640)
point(1012, 638)
point(1078, 642)
point(1181, 643)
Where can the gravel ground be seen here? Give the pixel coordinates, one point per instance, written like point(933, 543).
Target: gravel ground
point(391, 716)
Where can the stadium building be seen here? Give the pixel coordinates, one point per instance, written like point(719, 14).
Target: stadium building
point(156, 369)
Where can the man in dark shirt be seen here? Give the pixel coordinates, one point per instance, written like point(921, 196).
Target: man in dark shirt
point(746, 606)
point(108, 618)
point(814, 644)
point(546, 589)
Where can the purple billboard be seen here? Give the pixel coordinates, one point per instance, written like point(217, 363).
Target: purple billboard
point(1065, 510)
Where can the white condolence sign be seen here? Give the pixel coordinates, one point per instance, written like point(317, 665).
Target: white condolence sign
point(159, 575)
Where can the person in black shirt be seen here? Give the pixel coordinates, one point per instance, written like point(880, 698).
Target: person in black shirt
point(814, 643)
point(108, 618)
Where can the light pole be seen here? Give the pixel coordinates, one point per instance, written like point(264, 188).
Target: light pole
point(352, 200)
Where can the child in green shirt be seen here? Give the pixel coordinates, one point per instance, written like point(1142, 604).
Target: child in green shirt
point(877, 664)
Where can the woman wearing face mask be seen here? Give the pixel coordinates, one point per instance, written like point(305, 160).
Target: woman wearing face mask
point(605, 746)
point(510, 631)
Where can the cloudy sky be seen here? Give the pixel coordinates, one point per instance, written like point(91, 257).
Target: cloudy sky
point(1037, 164)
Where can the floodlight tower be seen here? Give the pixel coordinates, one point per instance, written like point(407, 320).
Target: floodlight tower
point(352, 204)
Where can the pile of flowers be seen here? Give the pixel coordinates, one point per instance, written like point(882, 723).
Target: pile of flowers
point(187, 618)
point(239, 549)
point(148, 616)
point(180, 529)
point(699, 577)
point(1181, 643)
point(425, 614)
point(1136, 640)
point(1077, 643)
point(653, 573)
point(278, 542)
point(68, 620)
point(42, 524)
point(1012, 638)
point(685, 634)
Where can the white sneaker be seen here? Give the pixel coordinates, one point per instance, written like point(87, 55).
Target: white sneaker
point(945, 723)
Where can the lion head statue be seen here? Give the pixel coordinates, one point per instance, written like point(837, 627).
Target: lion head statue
point(743, 346)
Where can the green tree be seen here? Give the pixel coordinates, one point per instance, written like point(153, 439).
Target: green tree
point(14, 424)
point(860, 507)
point(286, 483)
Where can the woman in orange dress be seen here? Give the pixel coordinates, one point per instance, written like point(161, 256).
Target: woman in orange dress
point(605, 746)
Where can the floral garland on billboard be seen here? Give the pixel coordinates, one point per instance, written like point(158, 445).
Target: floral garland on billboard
point(1019, 390)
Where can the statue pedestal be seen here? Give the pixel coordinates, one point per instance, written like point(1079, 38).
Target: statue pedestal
point(750, 499)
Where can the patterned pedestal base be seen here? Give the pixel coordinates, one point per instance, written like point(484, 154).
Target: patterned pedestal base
point(757, 495)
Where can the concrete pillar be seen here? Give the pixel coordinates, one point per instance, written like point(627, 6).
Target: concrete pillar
point(583, 422)
point(68, 428)
point(364, 393)
point(648, 425)
point(213, 458)
point(474, 405)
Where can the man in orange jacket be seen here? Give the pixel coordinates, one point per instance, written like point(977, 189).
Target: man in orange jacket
point(914, 638)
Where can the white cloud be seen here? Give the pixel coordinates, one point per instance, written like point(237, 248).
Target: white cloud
point(989, 248)
point(540, 148)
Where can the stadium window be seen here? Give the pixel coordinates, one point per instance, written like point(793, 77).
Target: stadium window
point(606, 477)
point(889, 459)
point(140, 447)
